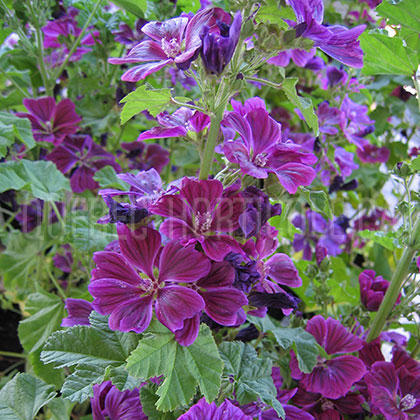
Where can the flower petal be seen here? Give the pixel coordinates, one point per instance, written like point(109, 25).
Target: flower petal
point(189, 332)
point(142, 71)
point(175, 304)
point(218, 246)
point(182, 264)
point(282, 270)
point(140, 247)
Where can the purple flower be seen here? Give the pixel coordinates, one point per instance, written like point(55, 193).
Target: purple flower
point(122, 212)
point(372, 290)
point(345, 161)
point(64, 262)
point(259, 150)
point(127, 287)
point(201, 213)
point(332, 377)
point(50, 121)
point(78, 312)
point(222, 300)
point(394, 393)
point(328, 118)
point(219, 45)
point(336, 76)
point(127, 36)
point(336, 41)
point(300, 57)
point(66, 28)
point(110, 403)
point(370, 153)
point(176, 41)
point(246, 273)
point(144, 156)
point(30, 215)
point(83, 157)
point(257, 212)
point(205, 411)
point(177, 124)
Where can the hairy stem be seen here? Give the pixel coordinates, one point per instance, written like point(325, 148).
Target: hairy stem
point(393, 291)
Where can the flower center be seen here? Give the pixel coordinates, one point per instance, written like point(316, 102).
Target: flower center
point(408, 402)
point(171, 48)
point(327, 405)
point(261, 160)
point(202, 222)
point(48, 127)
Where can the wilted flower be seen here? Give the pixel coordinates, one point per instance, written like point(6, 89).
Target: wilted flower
point(50, 121)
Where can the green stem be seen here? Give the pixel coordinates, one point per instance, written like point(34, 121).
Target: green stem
point(25, 94)
point(416, 350)
point(265, 82)
point(12, 354)
point(40, 58)
point(55, 282)
point(58, 214)
point(395, 286)
point(417, 86)
point(211, 143)
point(197, 108)
point(79, 38)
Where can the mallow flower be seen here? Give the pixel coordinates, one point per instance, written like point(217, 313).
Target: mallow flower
point(204, 411)
point(81, 156)
point(127, 285)
point(259, 150)
point(175, 41)
point(331, 377)
point(203, 213)
point(110, 403)
point(50, 121)
point(78, 312)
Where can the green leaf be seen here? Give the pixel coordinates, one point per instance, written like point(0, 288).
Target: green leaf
point(274, 13)
point(252, 375)
point(47, 312)
point(23, 396)
point(136, 7)
point(107, 178)
point(12, 127)
point(149, 399)
point(42, 178)
point(154, 100)
point(122, 380)
point(304, 104)
point(60, 409)
point(415, 164)
point(286, 228)
point(46, 372)
point(318, 201)
point(78, 386)
point(385, 55)
point(188, 5)
point(94, 345)
point(387, 240)
point(303, 343)
point(183, 367)
point(405, 13)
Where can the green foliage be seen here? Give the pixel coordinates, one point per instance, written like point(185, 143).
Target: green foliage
point(387, 240)
point(304, 104)
point(303, 344)
point(183, 367)
point(149, 399)
point(136, 7)
point(154, 100)
point(41, 178)
point(23, 396)
point(385, 55)
point(286, 228)
point(92, 349)
point(318, 201)
point(272, 12)
point(252, 375)
point(405, 13)
point(11, 128)
point(107, 178)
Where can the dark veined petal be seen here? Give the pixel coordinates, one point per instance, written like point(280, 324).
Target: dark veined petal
point(140, 247)
point(222, 274)
point(283, 271)
point(175, 304)
point(217, 247)
point(142, 71)
point(189, 332)
point(293, 175)
point(144, 51)
point(162, 133)
point(42, 108)
point(169, 29)
point(182, 264)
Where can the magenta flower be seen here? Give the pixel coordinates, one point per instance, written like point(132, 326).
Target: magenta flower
point(78, 312)
point(50, 121)
point(336, 41)
point(369, 153)
point(331, 377)
point(65, 28)
point(144, 156)
point(372, 289)
point(110, 403)
point(394, 393)
point(177, 124)
point(205, 411)
point(202, 212)
point(219, 44)
point(300, 57)
point(259, 149)
point(128, 287)
point(176, 41)
point(83, 157)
